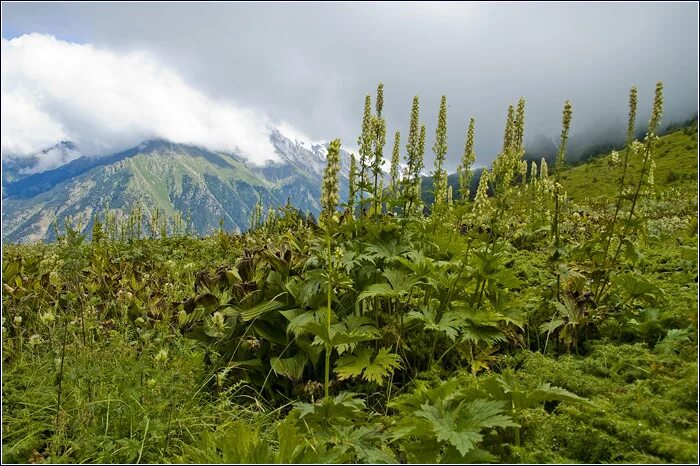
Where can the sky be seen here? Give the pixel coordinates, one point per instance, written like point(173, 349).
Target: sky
point(108, 75)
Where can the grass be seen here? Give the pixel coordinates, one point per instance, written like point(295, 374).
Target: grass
point(676, 158)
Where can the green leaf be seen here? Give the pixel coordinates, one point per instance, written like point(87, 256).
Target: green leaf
point(378, 290)
point(352, 365)
point(400, 280)
point(461, 425)
point(292, 368)
point(444, 425)
point(551, 326)
point(450, 322)
point(371, 369)
point(260, 309)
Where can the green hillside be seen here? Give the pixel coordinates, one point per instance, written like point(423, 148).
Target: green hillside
point(676, 159)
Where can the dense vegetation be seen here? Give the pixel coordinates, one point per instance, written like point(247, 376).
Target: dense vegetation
point(551, 319)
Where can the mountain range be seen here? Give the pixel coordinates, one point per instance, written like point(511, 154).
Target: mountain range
point(201, 184)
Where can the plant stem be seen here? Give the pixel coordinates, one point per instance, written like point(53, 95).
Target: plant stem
point(328, 312)
point(60, 374)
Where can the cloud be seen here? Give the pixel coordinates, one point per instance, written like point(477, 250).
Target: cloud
point(51, 158)
point(311, 64)
point(105, 101)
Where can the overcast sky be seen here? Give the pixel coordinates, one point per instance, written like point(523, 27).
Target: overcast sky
point(107, 75)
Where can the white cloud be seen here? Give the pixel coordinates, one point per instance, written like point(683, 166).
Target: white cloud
point(294, 134)
point(52, 158)
point(105, 101)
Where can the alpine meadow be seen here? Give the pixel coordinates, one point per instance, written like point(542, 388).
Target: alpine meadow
point(531, 311)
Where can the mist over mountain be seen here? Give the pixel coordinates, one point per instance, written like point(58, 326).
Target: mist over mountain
point(596, 140)
point(196, 183)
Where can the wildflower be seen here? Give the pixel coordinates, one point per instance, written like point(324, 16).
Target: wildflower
point(47, 318)
point(395, 164)
point(481, 203)
point(637, 148)
point(218, 321)
point(17, 320)
point(615, 157)
point(440, 149)
point(467, 160)
point(329, 189)
point(523, 170)
point(162, 356)
point(543, 169)
point(651, 173)
point(657, 108)
point(339, 254)
point(35, 340)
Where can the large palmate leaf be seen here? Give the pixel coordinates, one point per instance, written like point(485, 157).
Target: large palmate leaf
point(371, 369)
point(386, 250)
point(461, 425)
point(504, 387)
point(401, 281)
point(635, 287)
point(343, 335)
point(342, 409)
point(399, 284)
point(450, 322)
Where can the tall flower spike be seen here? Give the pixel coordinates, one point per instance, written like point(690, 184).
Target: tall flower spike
point(519, 126)
point(417, 168)
point(330, 187)
point(352, 183)
point(419, 164)
point(413, 137)
point(365, 145)
point(657, 109)
point(481, 203)
point(509, 132)
point(440, 150)
point(632, 114)
point(565, 125)
point(543, 169)
point(394, 173)
point(467, 160)
point(379, 140)
point(412, 149)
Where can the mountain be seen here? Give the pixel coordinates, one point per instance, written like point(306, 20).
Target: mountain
point(205, 185)
point(15, 168)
